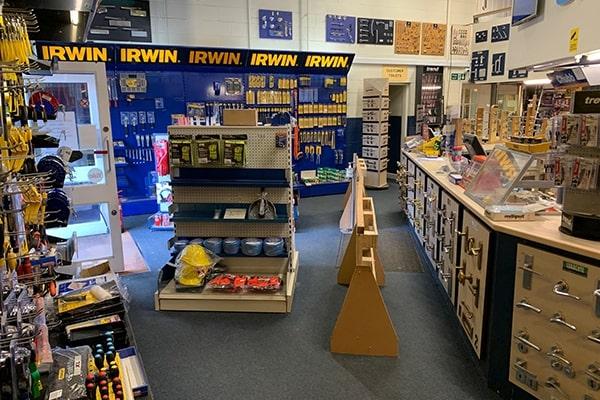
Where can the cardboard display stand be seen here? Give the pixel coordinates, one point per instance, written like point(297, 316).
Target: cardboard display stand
point(363, 326)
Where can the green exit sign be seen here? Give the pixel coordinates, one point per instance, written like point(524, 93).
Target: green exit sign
point(458, 77)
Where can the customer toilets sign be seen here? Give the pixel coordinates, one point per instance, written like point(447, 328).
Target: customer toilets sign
point(253, 60)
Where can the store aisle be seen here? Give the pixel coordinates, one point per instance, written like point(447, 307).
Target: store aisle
point(249, 356)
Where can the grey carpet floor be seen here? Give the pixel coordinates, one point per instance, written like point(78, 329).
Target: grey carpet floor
point(262, 356)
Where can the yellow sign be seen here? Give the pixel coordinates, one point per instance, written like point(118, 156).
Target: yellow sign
point(574, 40)
point(396, 73)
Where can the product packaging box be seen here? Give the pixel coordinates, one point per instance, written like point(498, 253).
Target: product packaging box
point(247, 117)
point(375, 140)
point(371, 128)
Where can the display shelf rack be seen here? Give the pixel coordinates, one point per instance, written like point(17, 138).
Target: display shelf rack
point(169, 299)
point(375, 123)
point(198, 191)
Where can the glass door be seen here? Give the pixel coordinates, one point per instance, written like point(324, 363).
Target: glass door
point(83, 123)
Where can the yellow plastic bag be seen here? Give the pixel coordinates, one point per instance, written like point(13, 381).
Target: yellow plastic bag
point(193, 264)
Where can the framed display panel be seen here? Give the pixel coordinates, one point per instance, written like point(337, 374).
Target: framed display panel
point(275, 24)
point(340, 28)
point(407, 39)
point(433, 39)
point(375, 31)
point(460, 40)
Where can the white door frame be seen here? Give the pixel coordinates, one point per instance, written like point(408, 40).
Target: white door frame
point(107, 192)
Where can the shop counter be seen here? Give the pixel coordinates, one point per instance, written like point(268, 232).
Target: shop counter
point(518, 289)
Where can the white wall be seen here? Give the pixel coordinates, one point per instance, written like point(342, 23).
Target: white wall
point(234, 23)
point(546, 38)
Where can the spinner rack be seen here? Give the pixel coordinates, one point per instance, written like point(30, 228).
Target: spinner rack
point(198, 190)
point(581, 208)
point(376, 114)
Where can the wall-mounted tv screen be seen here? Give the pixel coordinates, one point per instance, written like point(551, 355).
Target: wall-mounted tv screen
point(524, 10)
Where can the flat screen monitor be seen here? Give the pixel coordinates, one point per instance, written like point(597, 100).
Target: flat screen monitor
point(473, 145)
point(523, 11)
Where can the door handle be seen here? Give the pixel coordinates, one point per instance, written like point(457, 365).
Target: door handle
point(520, 365)
point(558, 354)
point(523, 337)
point(555, 384)
point(595, 336)
point(524, 304)
point(562, 289)
point(473, 251)
point(109, 160)
point(461, 234)
point(559, 319)
point(462, 277)
point(593, 371)
point(527, 268)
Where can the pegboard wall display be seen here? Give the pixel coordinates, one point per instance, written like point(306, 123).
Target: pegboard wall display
point(408, 37)
point(115, 21)
point(433, 39)
point(275, 24)
point(375, 31)
point(340, 28)
point(169, 84)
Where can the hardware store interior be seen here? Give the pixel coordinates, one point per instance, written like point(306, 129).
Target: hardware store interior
point(300, 199)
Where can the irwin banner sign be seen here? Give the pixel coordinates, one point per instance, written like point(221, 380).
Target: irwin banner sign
point(277, 61)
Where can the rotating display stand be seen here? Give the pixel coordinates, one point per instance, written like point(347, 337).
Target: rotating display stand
point(200, 190)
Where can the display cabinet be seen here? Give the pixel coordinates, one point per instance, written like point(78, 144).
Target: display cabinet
point(472, 275)
point(449, 243)
point(555, 350)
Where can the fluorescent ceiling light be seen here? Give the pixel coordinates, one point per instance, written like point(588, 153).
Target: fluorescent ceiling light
point(74, 14)
point(533, 82)
point(431, 87)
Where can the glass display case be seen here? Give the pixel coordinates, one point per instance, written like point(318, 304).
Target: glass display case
point(504, 172)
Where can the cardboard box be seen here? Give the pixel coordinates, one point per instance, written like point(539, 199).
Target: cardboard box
point(376, 87)
point(374, 152)
point(375, 103)
point(376, 165)
point(376, 115)
point(375, 140)
point(375, 128)
point(375, 179)
point(247, 117)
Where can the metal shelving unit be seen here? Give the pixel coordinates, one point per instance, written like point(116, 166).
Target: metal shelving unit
point(197, 191)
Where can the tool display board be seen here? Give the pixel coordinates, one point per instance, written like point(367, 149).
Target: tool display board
point(116, 21)
point(375, 31)
point(460, 40)
point(182, 81)
point(275, 24)
point(429, 95)
point(433, 39)
point(340, 28)
point(408, 37)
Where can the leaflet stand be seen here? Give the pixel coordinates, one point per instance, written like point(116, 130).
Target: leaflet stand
point(581, 208)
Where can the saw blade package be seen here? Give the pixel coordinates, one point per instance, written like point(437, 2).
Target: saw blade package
point(67, 379)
